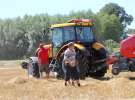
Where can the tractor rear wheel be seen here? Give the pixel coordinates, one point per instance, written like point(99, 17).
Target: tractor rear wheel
point(99, 73)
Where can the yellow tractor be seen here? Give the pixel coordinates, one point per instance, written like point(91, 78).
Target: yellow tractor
point(91, 54)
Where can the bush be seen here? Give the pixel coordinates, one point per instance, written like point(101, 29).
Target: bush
point(111, 45)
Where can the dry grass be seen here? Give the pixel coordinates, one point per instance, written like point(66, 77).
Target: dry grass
point(14, 85)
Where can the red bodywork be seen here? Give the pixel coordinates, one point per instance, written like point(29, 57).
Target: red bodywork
point(111, 59)
point(79, 20)
point(127, 47)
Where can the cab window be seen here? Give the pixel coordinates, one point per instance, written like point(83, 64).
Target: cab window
point(57, 37)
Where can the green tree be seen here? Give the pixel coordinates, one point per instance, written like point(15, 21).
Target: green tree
point(110, 27)
point(113, 8)
point(113, 20)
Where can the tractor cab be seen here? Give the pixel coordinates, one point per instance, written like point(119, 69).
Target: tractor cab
point(74, 30)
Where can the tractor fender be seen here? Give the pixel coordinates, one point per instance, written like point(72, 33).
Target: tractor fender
point(97, 46)
point(64, 47)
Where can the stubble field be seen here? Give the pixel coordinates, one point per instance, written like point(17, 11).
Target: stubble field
point(15, 85)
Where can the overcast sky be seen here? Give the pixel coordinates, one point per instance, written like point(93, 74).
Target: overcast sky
point(15, 8)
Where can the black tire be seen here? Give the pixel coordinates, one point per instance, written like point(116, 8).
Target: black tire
point(82, 70)
point(115, 71)
point(99, 73)
point(24, 65)
point(82, 64)
point(60, 74)
point(36, 70)
point(59, 70)
point(132, 67)
point(116, 68)
point(82, 76)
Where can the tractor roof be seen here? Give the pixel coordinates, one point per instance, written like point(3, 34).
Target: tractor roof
point(74, 22)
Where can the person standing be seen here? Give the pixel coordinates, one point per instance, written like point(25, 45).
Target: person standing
point(70, 65)
point(43, 60)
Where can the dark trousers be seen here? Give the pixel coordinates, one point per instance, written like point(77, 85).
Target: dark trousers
point(71, 73)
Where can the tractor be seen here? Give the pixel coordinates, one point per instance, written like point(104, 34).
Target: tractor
point(91, 54)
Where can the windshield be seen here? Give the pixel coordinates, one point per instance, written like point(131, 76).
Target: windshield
point(71, 33)
point(84, 34)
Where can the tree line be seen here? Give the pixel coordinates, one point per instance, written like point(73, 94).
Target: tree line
point(20, 36)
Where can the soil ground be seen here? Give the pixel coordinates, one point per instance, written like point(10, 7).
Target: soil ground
point(15, 85)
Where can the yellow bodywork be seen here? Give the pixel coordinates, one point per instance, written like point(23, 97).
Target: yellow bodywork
point(97, 46)
point(72, 24)
point(79, 46)
point(64, 47)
